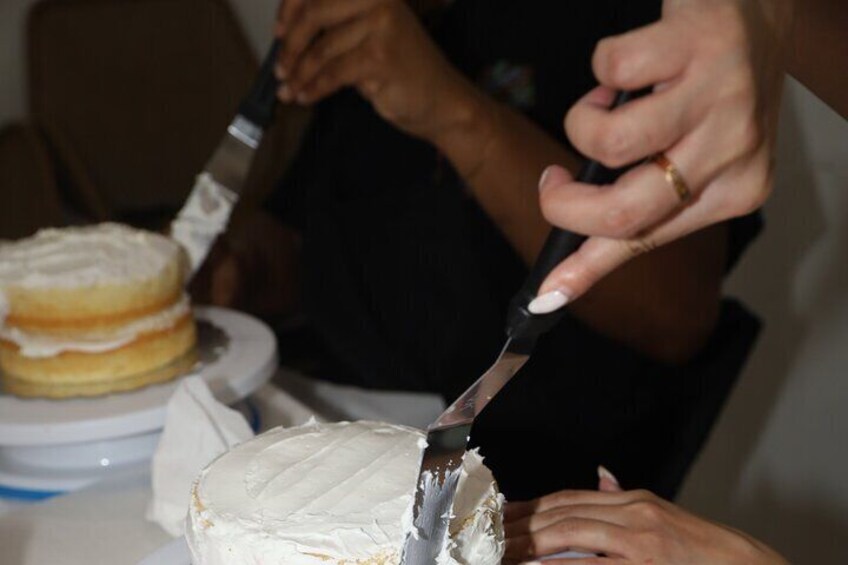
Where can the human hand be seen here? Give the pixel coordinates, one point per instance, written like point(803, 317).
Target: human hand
point(254, 267)
point(716, 69)
point(378, 47)
point(624, 527)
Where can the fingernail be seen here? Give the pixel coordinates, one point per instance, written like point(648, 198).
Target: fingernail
point(604, 473)
point(302, 98)
point(544, 177)
point(552, 176)
point(599, 96)
point(284, 93)
point(532, 563)
point(548, 302)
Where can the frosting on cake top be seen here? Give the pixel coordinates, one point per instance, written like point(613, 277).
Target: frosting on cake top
point(332, 493)
point(75, 257)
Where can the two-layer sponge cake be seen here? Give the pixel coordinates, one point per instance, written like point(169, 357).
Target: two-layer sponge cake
point(333, 494)
point(92, 310)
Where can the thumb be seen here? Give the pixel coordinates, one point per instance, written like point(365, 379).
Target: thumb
point(576, 274)
point(599, 256)
point(596, 258)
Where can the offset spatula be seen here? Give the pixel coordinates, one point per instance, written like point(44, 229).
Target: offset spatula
point(207, 210)
point(447, 437)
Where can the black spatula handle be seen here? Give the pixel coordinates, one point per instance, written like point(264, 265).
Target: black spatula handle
point(521, 324)
point(258, 105)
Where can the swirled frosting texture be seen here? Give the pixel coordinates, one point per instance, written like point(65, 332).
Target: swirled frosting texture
point(332, 493)
point(84, 256)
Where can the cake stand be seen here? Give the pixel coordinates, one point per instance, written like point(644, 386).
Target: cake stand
point(49, 447)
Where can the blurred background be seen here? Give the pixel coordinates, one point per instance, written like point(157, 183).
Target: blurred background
point(777, 461)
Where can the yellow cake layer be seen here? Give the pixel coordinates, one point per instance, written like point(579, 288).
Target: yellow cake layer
point(151, 358)
point(67, 311)
point(36, 390)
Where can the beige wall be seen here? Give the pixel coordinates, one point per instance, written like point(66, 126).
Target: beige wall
point(778, 461)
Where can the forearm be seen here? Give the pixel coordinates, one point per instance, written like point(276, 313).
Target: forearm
point(664, 303)
point(817, 52)
point(500, 156)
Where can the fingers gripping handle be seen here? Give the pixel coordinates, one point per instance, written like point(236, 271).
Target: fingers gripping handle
point(521, 324)
point(258, 106)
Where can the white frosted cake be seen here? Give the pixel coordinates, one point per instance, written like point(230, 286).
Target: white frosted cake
point(91, 310)
point(338, 494)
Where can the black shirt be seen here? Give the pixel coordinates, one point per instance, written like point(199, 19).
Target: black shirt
point(406, 280)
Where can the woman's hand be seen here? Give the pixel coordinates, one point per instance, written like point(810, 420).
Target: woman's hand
point(378, 47)
point(716, 71)
point(624, 527)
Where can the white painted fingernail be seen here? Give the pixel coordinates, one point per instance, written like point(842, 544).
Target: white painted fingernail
point(544, 177)
point(548, 302)
point(532, 563)
point(604, 473)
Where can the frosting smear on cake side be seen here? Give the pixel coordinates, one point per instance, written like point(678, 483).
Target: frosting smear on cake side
point(333, 494)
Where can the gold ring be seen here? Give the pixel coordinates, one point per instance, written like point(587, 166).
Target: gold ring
point(673, 177)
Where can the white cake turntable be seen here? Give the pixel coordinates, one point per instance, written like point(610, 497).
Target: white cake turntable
point(49, 447)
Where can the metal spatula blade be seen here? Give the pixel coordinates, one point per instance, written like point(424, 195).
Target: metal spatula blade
point(230, 162)
point(207, 210)
point(447, 439)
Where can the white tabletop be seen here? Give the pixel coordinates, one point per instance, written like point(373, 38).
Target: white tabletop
point(104, 524)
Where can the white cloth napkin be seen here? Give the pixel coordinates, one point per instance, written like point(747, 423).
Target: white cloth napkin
point(198, 429)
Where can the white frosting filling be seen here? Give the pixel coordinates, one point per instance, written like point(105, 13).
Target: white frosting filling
point(41, 345)
point(84, 256)
point(332, 493)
